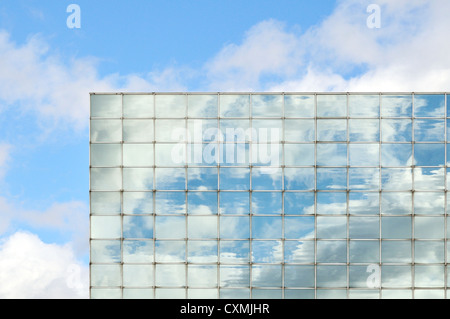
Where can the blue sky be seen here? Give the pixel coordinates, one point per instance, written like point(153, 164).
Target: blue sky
point(47, 71)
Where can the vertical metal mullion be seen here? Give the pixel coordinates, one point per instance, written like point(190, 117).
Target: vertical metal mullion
point(121, 203)
point(185, 194)
point(250, 195)
point(283, 137)
point(218, 199)
point(380, 295)
point(412, 201)
point(445, 196)
point(347, 199)
point(315, 196)
point(154, 195)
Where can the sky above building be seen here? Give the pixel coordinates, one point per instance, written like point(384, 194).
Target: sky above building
point(53, 54)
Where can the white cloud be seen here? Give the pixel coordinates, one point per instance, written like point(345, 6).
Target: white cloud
point(5, 151)
point(30, 268)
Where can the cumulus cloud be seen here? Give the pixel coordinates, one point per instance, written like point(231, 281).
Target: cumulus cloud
point(30, 268)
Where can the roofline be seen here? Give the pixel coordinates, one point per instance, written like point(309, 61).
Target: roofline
point(269, 93)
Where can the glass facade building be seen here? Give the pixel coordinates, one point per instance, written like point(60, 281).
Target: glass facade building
point(269, 195)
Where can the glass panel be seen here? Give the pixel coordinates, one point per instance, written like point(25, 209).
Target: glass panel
point(266, 294)
point(396, 105)
point(332, 130)
point(234, 227)
point(396, 203)
point(105, 251)
point(138, 203)
point(137, 179)
point(234, 105)
point(201, 227)
point(105, 275)
point(332, 227)
point(267, 131)
point(429, 276)
point(170, 276)
point(364, 105)
point(397, 294)
point(429, 105)
point(138, 106)
point(236, 203)
point(170, 251)
point(299, 154)
point(235, 252)
point(364, 203)
point(332, 294)
point(138, 130)
point(364, 130)
point(106, 155)
point(299, 130)
point(396, 130)
point(396, 179)
point(202, 105)
point(266, 275)
point(331, 203)
point(137, 154)
point(298, 203)
point(106, 105)
point(137, 275)
point(396, 154)
point(204, 178)
point(300, 227)
point(170, 130)
point(237, 131)
point(133, 293)
point(137, 251)
point(171, 293)
point(138, 227)
point(298, 178)
point(299, 105)
point(170, 178)
point(106, 179)
point(105, 203)
point(298, 276)
point(106, 131)
point(170, 105)
point(168, 203)
point(396, 251)
point(364, 277)
point(202, 276)
point(364, 227)
point(395, 276)
point(364, 251)
point(202, 251)
point(235, 178)
point(429, 154)
point(429, 203)
point(331, 105)
point(234, 293)
point(204, 130)
point(103, 293)
point(301, 252)
point(331, 178)
point(429, 294)
point(234, 276)
point(364, 178)
point(267, 251)
point(331, 154)
point(331, 276)
point(395, 227)
point(202, 203)
point(429, 227)
point(105, 227)
point(299, 294)
point(266, 179)
point(267, 105)
point(170, 154)
point(266, 227)
point(331, 251)
point(267, 203)
point(364, 294)
point(429, 130)
point(364, 154)
point(429, 178)
point(429, 252)
point(170, 227)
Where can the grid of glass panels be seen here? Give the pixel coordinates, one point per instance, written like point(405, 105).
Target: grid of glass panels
point(293, 195)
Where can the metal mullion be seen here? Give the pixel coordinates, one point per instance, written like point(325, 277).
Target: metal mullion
point(380, 295)
point(283, 137)
point(315, 196)
point(185, 188)
point(250, 195)
point(445, 197)
point(218, 202)
point(154, 195)
point(121, 204)
point(347, 199)
point(412, 197)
